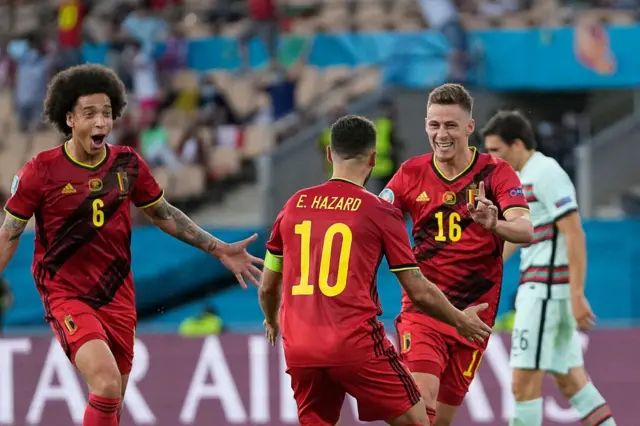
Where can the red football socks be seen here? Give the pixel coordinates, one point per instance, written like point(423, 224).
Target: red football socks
point(431, 413)
point(101, 411)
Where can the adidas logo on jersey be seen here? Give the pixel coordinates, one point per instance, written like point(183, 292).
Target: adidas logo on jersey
point(68, 189)
point(423, 197)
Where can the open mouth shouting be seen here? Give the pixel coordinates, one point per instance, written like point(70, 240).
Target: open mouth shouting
point(98, 141)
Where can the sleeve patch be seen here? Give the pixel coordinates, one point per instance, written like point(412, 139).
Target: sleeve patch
point(563, 201)
point(516, 192)
point(387, 195)
point(14, 184)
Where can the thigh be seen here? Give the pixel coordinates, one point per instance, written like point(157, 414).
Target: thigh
point(319, 398)
point(382, 386)
point(74, 323)
point(533, 340)
point(422, 348)
point(121, 331)
point(457, 377)
point(569, 346)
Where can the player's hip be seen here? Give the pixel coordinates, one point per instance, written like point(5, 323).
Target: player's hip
point(418, 328)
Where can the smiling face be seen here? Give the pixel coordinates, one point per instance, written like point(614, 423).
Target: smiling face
point(448, 128)
point(91, 122)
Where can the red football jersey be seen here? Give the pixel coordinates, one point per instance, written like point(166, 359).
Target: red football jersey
point(83, 224)
point(454, 252)
point(332, 238)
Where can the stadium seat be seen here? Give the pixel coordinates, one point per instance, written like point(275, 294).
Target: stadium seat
point(224, 161)
point(365, 81)
point(163, 176)
point(257, 141)
point(371, 17)
point(189, 182)
point(308, 88)
point(334, 17)
point(241, 94)
point(332, 76)
point(186, 80)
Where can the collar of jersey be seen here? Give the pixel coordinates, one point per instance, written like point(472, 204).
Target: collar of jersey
point(67, 154)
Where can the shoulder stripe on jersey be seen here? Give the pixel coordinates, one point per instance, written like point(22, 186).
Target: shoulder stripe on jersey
point(16, 216)
point(78, 230)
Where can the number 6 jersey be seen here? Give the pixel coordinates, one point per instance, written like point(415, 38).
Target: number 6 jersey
point(332, 238)
point(83, 224)
point(461, 257)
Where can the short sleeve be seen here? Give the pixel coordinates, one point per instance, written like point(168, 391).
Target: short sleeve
point(394, 191)
point(397, 248)
point(274, 244)
point(26, 192)
point(557, 194)
point(146, 191)
point(507, 189)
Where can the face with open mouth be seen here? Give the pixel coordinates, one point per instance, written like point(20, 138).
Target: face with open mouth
point(448, 128)
point(91, 121)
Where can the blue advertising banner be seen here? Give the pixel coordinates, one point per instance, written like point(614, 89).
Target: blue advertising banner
point(587, 56)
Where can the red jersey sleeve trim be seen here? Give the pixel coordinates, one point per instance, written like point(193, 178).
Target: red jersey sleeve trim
point(16, 216)
point(405, 267)
point(515, 207)
point(154, 201)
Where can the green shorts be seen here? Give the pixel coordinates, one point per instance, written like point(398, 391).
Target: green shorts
point(545, 335)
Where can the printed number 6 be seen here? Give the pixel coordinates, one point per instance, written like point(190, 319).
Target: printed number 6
point(98, 214)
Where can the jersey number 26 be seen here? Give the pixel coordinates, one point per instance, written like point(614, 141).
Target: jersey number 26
point(304, 288)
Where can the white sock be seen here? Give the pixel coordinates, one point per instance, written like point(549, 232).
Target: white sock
point(527, 413)
point(592, 407)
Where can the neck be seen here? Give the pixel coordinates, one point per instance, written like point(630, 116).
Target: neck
point(75, 150)
point(352, 175)
point(457, 163)
point(525, 158)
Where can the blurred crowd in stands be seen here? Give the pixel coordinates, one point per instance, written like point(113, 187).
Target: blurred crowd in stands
point(202, 132)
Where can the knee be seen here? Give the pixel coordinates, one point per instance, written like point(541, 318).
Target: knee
point(428, 386)
point(570, 384)
point(106, 382)
point(526, 385)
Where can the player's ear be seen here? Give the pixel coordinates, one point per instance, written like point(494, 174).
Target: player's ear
point(471, 126)
point(372, 159)
point(69, 119)
point(329, 158)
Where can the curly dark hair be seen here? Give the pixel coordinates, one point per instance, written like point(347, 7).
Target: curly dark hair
point(82, 80)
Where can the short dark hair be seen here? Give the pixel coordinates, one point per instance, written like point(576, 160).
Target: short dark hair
point(451, 94)
point(82, 80)
point(352, 136)
point(510, 126)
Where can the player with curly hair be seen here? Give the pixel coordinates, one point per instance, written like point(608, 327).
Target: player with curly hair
point(79, 194)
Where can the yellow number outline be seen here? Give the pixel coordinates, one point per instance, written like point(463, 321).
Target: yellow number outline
point(98, 214)
point(304, 288)
point(455, 230)
point(473, 365)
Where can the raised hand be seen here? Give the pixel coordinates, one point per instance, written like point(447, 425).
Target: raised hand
point(472, 328)
point(236, 258)
point(485, 213)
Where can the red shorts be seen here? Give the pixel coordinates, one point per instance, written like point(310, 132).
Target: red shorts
point(426, 350)
point(382, 386)
point(75, 323)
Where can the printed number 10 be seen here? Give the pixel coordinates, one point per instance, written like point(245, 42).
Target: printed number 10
point(304, 288)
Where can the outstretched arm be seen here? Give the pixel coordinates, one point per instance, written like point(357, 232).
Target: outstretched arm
point(234, 256)
point(174, 222)
point(10, 233)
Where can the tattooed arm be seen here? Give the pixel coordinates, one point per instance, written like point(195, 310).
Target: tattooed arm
point(177, 224)
point(10, 233)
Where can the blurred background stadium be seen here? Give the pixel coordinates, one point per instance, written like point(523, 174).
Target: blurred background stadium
point(229, 101)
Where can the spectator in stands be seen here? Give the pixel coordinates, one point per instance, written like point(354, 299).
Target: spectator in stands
point(191, 148)
point(207, 323)
point(264, 24)
point(71, 14)
point(145, 26)
point(155, 146)
point(146, 87)
point(387, 148)
point(34, 67)
point(442, 16)
point(174, 56)
point(6, 299)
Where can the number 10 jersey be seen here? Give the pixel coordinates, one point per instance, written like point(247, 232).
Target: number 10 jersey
point(332, 238)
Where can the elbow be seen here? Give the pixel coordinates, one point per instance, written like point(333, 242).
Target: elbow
point(527, 235)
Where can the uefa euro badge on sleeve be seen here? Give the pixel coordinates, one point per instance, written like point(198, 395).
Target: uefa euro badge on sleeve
point(14, 184)
point(387, 195)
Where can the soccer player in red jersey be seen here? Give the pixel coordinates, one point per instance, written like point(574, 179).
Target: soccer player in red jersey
point(80, 193)
point(464, 205)
point(323, 254)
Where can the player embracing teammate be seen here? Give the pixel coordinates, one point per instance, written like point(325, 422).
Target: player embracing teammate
point(463, 205)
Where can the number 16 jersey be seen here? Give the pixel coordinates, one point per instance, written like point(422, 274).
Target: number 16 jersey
point(460, 256)
point(332, 238)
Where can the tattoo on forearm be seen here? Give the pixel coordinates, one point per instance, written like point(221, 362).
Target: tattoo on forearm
point(417, 273)
point(186, 229)
point(13, 227)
